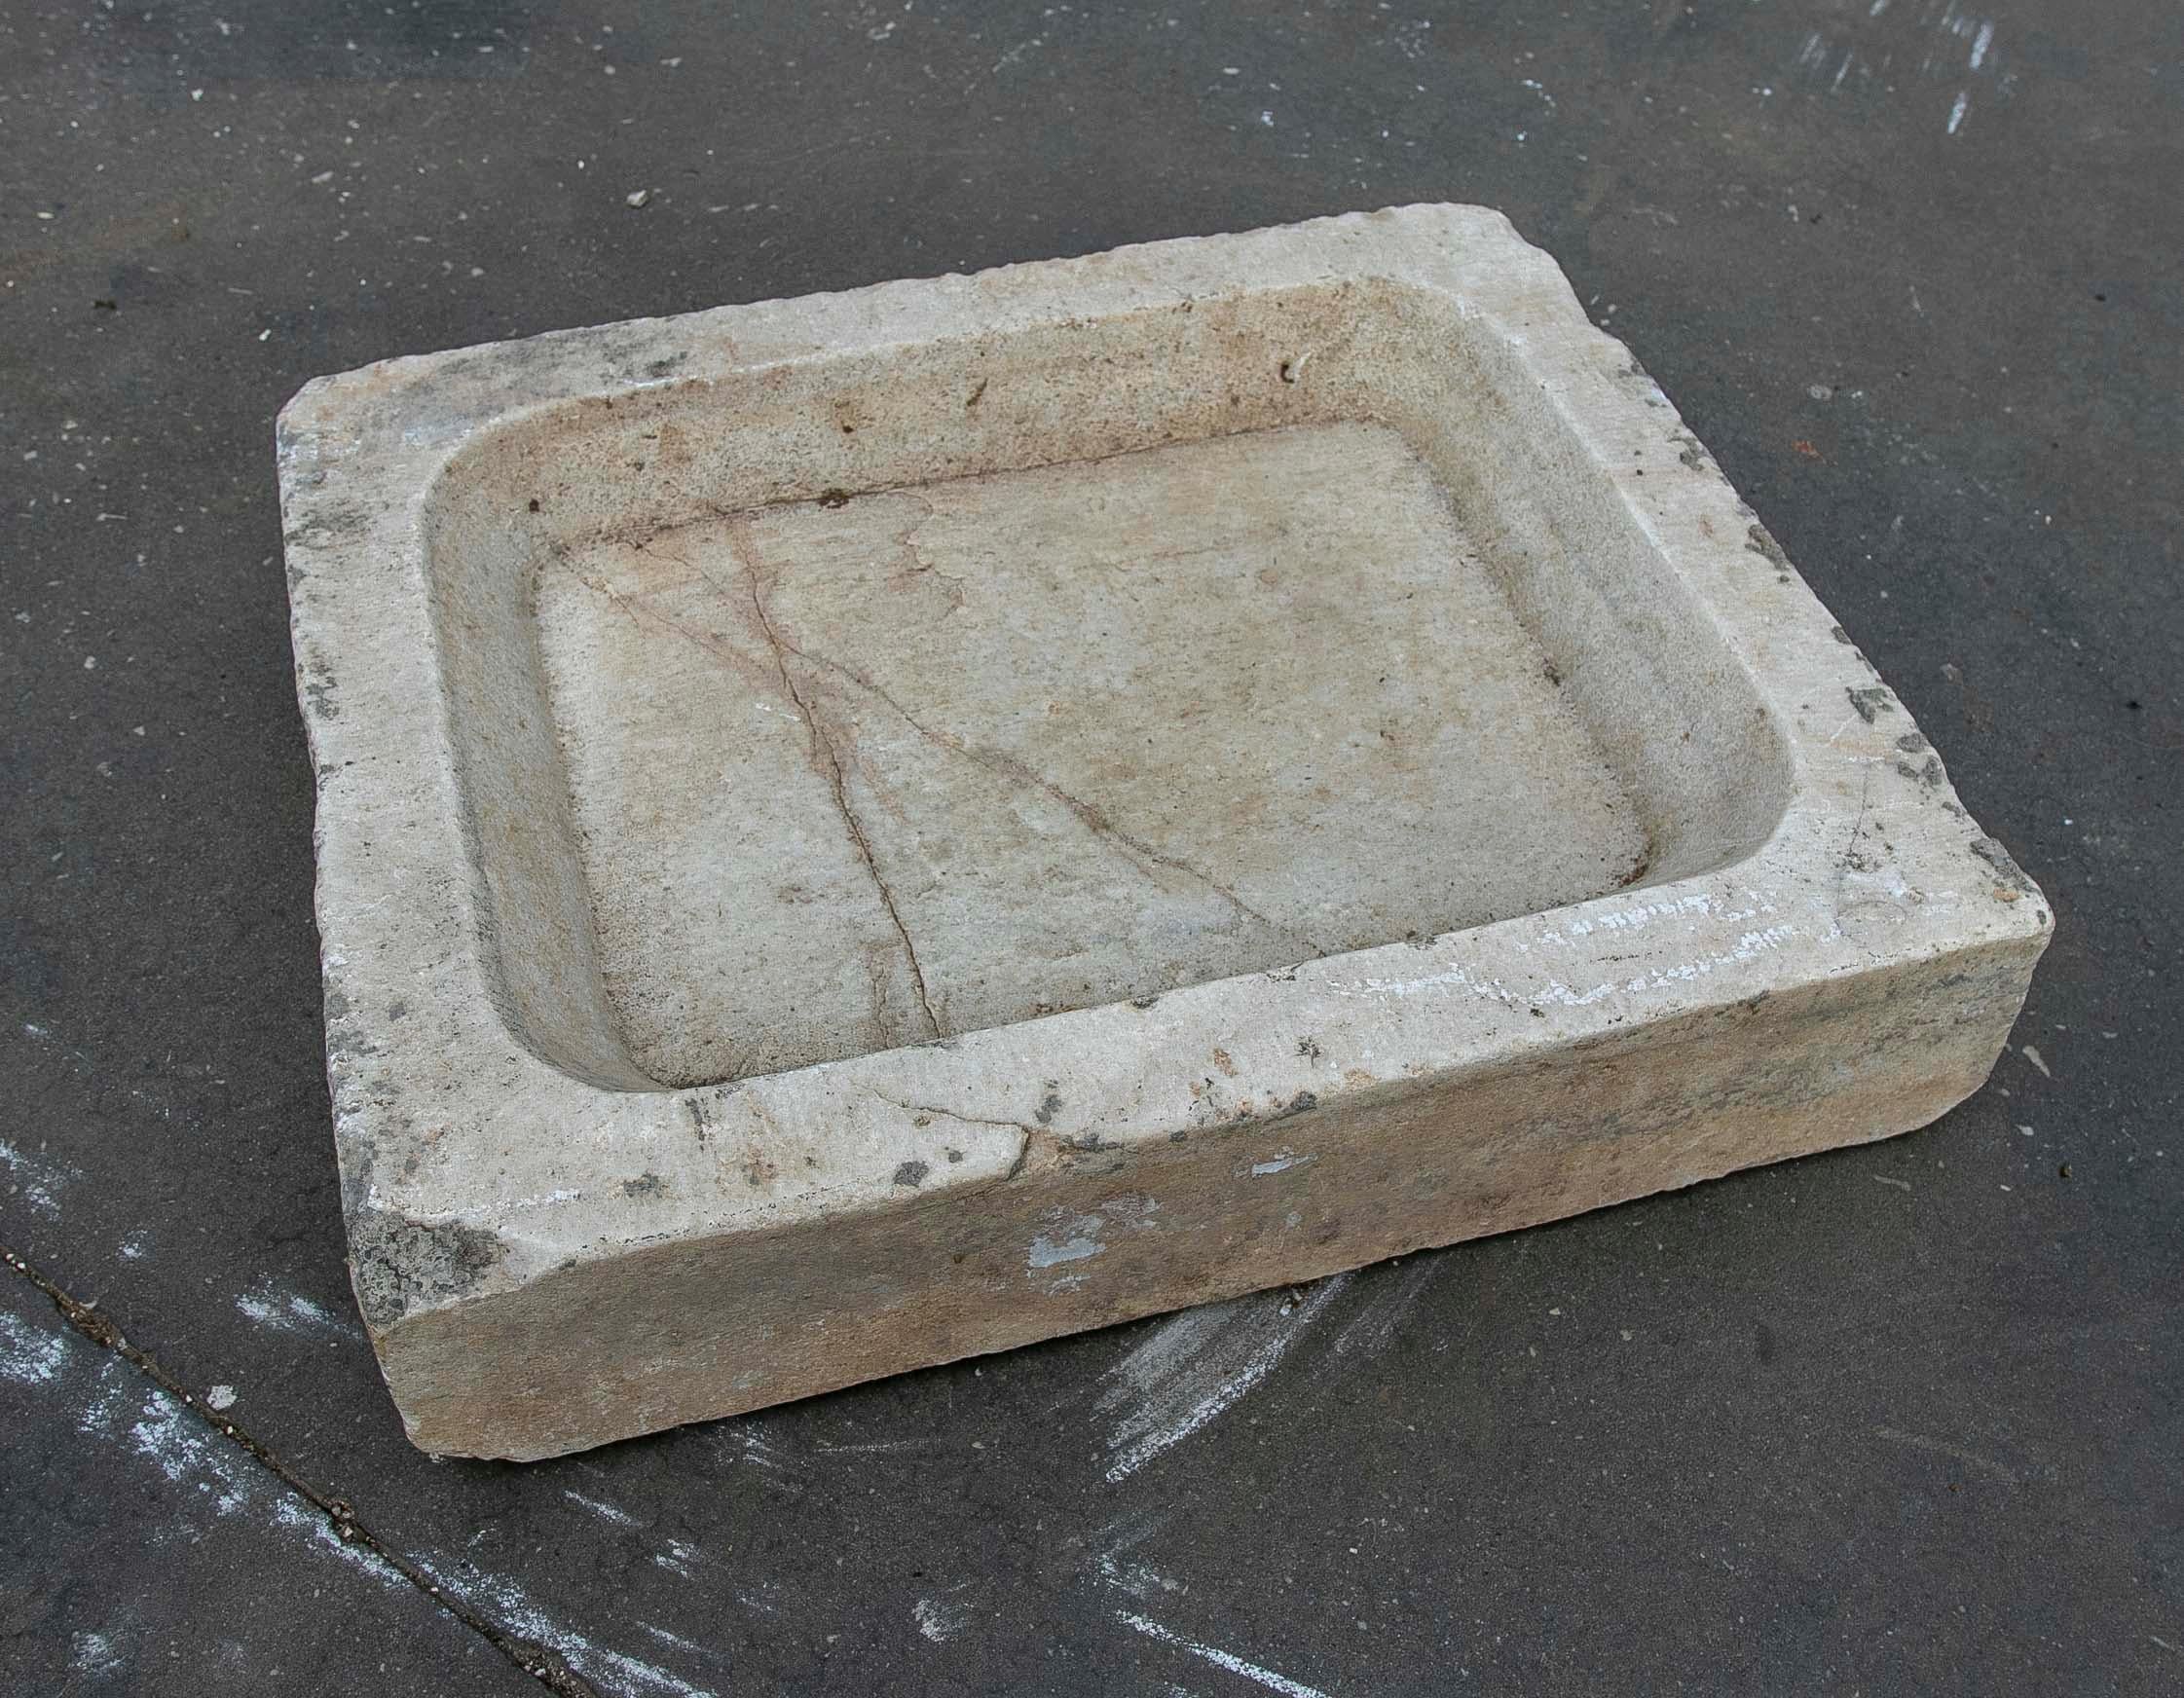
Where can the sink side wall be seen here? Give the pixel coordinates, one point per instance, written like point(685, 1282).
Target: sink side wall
point(1676, 713)
point(680, 1332)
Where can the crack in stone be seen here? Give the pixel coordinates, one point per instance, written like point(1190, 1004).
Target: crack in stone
point(826, 758)
point(906, 539)
point(639, 609)
point(1091, 817)
point(1032, 1135)
point(822, 748)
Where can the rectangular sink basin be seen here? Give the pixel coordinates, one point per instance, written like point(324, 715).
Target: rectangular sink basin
point(862, 831)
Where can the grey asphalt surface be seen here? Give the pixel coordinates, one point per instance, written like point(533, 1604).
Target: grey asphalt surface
point(1903, 1420)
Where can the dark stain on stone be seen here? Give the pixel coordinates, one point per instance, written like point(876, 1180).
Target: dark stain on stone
point(1759, 540)
point(645, 1185)
point(1871, 702)
point(1143, 1002)
point(1048, 1107)
point(1912, 743)
point(911, 1174)
point(1998, 858)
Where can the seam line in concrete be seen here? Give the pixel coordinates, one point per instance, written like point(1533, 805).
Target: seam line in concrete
point(536, 1660)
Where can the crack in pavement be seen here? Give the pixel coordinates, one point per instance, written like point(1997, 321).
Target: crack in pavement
point(541, 1664)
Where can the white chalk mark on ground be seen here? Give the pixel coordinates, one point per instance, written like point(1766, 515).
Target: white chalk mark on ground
point(36, 1181)
point(940, 1619)
point(604, 1511)
point(111, 1403)
point(882, 1448)
point(290, 1311)
point(1219, 1658)
point(1393, 1295)
point(179, 1444)
point(1197, 1365)
point(509, 1605)
point(28, 1357)
point(680, 1643)
point(93, 1654)
point(746, 1444)
point(1140, 1580)
point(299, 1517)
point(1971, 1459)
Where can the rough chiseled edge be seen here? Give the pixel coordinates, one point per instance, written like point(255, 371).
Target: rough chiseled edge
point(388, 429)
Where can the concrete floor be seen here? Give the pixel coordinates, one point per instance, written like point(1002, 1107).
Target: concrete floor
point(1902, 1419)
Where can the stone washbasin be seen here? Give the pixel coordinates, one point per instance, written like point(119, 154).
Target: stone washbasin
point(862, 831)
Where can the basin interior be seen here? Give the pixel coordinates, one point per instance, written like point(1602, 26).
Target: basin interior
point(861, 707)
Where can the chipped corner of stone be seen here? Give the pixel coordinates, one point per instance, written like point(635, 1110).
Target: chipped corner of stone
point(2010, 885)
point(402, 1265)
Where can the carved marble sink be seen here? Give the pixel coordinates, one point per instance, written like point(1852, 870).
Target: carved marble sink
point(859, 830)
